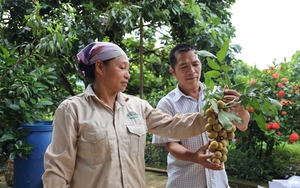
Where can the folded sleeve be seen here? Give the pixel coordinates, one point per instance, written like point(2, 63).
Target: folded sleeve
point(59, 158)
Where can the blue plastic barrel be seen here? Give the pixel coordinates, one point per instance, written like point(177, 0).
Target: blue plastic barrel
point(28, 173)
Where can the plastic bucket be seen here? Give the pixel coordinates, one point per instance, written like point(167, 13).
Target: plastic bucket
point(28, 173)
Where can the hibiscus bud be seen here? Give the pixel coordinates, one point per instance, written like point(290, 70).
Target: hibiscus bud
point(294, 137)
point(278, 133)
point(281, 94)
point(251, 109)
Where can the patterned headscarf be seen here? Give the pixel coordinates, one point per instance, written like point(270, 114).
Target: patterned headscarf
point(99, 51)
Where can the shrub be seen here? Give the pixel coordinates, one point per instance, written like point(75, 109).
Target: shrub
point(270, 149)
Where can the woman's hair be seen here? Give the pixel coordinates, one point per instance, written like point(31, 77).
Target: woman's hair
point(89, 70)
point(177, 49)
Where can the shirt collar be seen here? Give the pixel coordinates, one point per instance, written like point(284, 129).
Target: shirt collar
point(89, 92)
point(178, 93)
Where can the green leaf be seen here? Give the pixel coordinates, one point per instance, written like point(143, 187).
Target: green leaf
point(213, 74)
point(4, 51)
point(252, 88)
point(213, 65)
point(47, 103)
point(22, 103)
point(239, 87)
point(14, 107)
point(228, 82)
point(12, 155)
point(7, 101)
point(7, 137)
point(225, 68)
point(231, 116)
point(254, 103)
point(209, 83)
point(276, 103)
point(204, 53)
point(268, 108)
point(222, 53)
point(224, 120)
point(216, 95)
point(214, 105)
point(260, 120)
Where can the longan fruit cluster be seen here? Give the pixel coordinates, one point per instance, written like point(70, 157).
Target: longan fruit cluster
point(218, 135)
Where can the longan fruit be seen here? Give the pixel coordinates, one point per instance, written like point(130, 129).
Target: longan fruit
point(220, 146)
point(223, 158)
point(208, 127)
point(211, 120)
point(224, 150)
point(218, 154)
point(209, 112)
point(217, 161)
point(214, 144)
point(230, 135)
point(222, 132)
point(211, 149)
point(225, 142)
point(233, 129)
point(212, 134)
point(221, 104)
point(225, 135)
point(217, 127)
point(226, 109)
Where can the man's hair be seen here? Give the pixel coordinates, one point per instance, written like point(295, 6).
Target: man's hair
point(177, 49)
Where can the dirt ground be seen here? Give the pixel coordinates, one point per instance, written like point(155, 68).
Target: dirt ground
point(154, 180)
point(159, 180)
point(2, 182)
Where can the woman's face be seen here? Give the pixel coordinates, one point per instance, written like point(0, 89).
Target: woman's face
point(116, 74)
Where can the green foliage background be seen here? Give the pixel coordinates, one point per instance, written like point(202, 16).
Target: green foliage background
point(40, 40)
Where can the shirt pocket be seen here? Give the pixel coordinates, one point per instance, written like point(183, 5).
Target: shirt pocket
point(137, 135)
point(94, 146)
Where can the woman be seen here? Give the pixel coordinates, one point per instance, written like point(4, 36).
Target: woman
point(99, 136)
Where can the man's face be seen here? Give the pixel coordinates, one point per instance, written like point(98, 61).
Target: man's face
point(187, 70)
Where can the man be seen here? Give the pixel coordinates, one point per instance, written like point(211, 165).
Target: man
point(188, 166)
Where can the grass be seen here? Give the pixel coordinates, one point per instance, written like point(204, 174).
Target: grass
point(283, 163)
point(290, 159)
point(242, 168)
point(239, 183)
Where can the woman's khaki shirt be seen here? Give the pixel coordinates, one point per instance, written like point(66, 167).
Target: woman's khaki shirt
point(95, 147)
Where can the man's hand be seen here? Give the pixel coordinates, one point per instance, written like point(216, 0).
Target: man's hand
point(199, 156)
point(204, 159)
point(232, 95)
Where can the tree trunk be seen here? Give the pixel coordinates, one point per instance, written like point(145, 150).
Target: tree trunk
point(9, 172)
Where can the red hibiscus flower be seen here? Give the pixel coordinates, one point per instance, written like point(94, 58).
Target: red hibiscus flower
point(281, 94)
point(284, 80)
point(251, 109)
point(275, 126)
point(252, 82)
point(276, 75)
point(268, 126)
point(294, 137)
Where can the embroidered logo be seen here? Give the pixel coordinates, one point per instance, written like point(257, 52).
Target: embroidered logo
point(132, 115)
